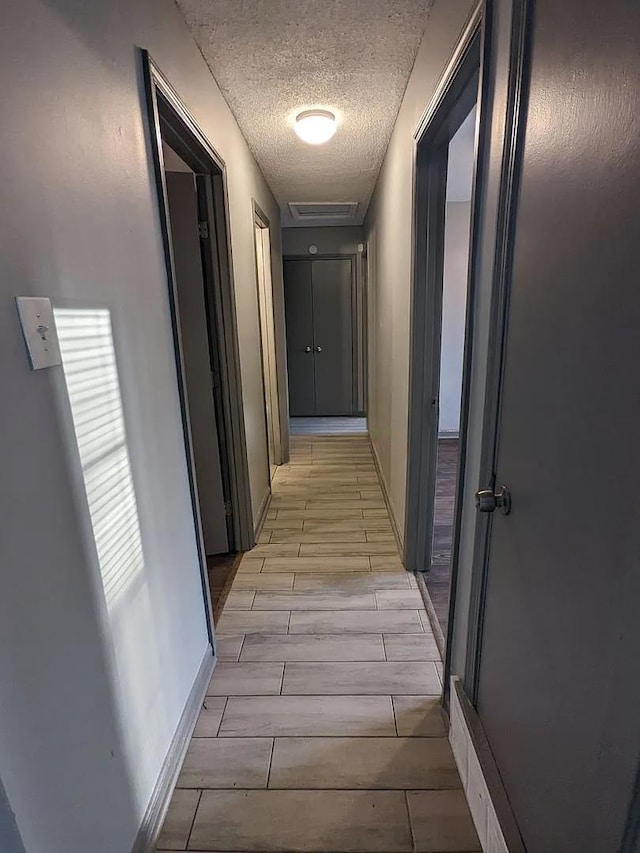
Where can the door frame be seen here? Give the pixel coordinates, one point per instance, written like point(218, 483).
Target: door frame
point(508, 190)
point(166, 111)
point(261, 221)
point(358, 307)
point(448, 107)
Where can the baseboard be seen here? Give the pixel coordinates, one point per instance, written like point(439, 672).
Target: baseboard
point(431, 613)
point(490, 809)
point(163, 791)
point(385, 493)
point(262, 515)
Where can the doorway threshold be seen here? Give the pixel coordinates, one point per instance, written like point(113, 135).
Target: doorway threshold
point(328, 426)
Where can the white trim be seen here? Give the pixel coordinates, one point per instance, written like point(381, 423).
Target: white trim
point(436, 628)
point(262, 513)
point(473, 781)
point(161, 797)
point(269, 342)
point(385, 493)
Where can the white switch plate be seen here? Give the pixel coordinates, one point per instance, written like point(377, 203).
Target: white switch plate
point(39, 330)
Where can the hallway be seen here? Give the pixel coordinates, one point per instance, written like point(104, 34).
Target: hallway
point(322, 730)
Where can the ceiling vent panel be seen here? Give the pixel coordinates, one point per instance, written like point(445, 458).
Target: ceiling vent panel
point(303, 210)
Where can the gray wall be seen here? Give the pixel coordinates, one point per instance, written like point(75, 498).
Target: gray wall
point(388, 229)
point(330, 241)
point(79, 223)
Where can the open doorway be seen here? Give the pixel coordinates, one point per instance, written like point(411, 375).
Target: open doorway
point(201, 373)
point(442, 310)
point(267, 338)
point(460, 162)
point(190, 180)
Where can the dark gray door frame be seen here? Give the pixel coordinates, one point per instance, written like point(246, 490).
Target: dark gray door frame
point(461, 85)
point(170, 119)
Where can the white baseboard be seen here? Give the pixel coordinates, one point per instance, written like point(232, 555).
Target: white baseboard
point(397, 532)
point(436, 628)
point(262, 514)
point(482, 804)
point(161, 797)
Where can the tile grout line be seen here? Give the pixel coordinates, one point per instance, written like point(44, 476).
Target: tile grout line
point(273, 746)
point(244, 637)
point(226, 702)
point(393, 711)
point(411, 832)
point(370, 790)
point(193, 822)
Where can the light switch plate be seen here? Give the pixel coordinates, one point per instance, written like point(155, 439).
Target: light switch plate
point(39, 330)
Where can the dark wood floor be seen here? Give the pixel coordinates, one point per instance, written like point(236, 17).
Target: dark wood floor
point(222, 570)
point(439, 577)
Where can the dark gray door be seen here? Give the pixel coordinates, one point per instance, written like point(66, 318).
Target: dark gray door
point(299, 319)
point(559, 692)
point(183, 212)
point(333, 336)
point(320, 336)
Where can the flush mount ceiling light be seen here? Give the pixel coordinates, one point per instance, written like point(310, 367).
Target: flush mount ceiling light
point(315, 126)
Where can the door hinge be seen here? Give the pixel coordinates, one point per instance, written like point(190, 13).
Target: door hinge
point(228, 508)
point(203, 229)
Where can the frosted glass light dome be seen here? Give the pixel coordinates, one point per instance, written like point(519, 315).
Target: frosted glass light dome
point(315, 126)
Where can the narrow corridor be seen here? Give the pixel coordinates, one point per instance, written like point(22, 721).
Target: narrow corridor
point(322, 728)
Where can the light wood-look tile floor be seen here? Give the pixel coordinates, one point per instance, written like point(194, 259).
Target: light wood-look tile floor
point(322, 730)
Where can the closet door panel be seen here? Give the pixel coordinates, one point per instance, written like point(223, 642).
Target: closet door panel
point(299, 320)
point(333, 335)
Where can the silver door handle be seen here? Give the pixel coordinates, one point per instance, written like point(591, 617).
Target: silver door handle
point(489, 501)
point(318, 349)
point(307, 349)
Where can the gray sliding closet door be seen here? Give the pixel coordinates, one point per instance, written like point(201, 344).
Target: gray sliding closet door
point(333, 335)
point(319, 297)
point(299, 319)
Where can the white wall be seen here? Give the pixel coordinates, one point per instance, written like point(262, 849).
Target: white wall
point(79, 223)
point(454, 305)
point(456, 265)
point(388, 227)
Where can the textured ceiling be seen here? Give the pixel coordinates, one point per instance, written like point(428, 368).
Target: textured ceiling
point(274, 58)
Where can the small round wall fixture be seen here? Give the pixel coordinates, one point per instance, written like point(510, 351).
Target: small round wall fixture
point(315, 126)
point(313, 250)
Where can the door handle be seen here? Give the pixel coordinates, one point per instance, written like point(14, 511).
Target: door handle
point(307, 349)
point(489, 501)
point(318, 349)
